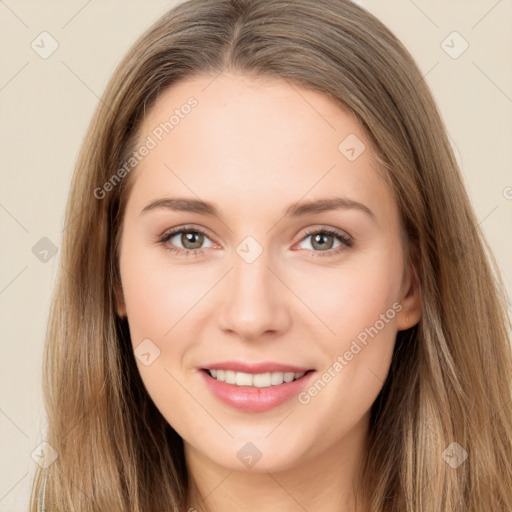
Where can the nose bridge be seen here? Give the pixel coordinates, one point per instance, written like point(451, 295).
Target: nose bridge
point(253, 304)
point(251, 276)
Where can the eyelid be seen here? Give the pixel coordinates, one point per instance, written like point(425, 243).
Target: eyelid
point(176, 230)
point(319, 228)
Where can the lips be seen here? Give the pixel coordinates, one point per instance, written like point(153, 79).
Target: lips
point(255, 387)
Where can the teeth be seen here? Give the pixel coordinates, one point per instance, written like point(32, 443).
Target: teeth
point(244, 379)
point(259, 380)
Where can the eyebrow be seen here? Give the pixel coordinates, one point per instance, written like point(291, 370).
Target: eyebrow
point(299, 209)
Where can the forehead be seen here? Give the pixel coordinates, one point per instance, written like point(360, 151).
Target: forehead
point(253, 142)
point(240, 105)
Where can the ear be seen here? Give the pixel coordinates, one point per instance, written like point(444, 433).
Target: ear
point(411, 300)
point(119, 300)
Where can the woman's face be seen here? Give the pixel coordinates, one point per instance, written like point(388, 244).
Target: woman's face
point(259, 286)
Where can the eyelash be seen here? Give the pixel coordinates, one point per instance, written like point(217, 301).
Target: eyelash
point(346, 241)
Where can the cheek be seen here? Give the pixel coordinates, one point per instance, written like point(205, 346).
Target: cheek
point(352, 297)
point(159, 301)
point(158, 296)
point(358, 306)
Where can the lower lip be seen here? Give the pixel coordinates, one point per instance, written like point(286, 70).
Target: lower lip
point(253, 399)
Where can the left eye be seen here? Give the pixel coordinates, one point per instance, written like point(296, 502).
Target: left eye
point(323, 239)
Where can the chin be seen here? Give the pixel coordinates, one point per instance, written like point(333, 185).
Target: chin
point(257, 454)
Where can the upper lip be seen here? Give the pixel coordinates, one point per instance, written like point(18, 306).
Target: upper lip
point(263, 367)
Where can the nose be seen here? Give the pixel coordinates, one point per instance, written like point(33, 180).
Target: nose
point(255, 304)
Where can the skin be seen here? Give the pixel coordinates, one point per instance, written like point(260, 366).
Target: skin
point(253, 147)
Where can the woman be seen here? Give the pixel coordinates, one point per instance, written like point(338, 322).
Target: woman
point(205, 350)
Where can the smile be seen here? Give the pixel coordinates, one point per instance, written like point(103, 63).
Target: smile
point(254, 392)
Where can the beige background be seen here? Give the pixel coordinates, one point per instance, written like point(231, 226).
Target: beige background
point(46, 105)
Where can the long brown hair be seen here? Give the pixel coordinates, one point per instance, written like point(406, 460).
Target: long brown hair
point(451, 374)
